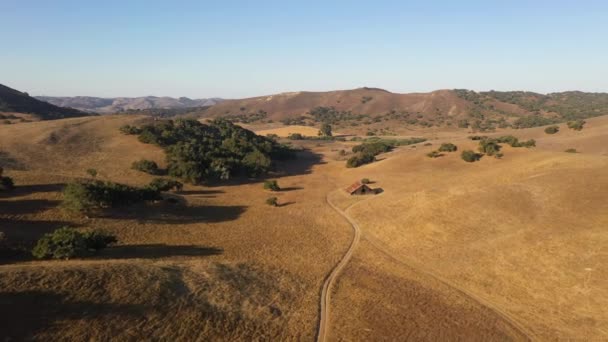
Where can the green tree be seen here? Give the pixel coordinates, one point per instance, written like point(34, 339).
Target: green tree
point(470, 156)
point(272, 201)
point(552, 129)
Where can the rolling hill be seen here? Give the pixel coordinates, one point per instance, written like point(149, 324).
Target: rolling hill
point(125, 104)
point(14, 101)
point(463, 108)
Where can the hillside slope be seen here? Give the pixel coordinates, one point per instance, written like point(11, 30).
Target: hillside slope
point(14, 101)
point(463, 108)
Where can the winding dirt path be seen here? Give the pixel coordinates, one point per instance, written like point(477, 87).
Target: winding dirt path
point(324, 317)
point(331, 278)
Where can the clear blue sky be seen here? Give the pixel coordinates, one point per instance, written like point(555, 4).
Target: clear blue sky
point(237, 49)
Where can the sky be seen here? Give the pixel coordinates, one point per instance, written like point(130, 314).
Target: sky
point(235, 49)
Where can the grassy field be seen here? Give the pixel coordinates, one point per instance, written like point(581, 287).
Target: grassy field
point(500, 249)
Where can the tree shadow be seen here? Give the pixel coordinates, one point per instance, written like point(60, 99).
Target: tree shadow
point(291, 188)
point(23, 190)
point(285, 204)
point(200, 192)
point(10, 163)
point(27, 313)
point(155, 251)
point(163, 212)
point(23, 207)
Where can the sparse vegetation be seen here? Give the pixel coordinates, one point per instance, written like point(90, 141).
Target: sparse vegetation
point(147, 166)
point(272, 201)
point(576, 125)
point(66, 243)
point(552, 129)
point(434, 154)
point(271, 185)
point(447, 147)
point(470, 156)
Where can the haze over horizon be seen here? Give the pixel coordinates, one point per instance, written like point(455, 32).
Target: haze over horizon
point(235, 49)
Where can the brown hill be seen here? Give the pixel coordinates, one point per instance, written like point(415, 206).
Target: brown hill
point(14, 101)
point(480, 111)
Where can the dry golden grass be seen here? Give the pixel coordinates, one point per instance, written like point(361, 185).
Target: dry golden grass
point(493, 250)
point(287, 130)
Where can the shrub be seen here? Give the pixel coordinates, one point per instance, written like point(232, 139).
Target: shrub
point(147, 166)
point(489, 147)
point(273, 201)
point(528, 144)
point(271, 185)
point(360, 159)
point(552, 129)
point(434, 154)
point(571, 150)
point(470, 156)
point(295, 136)
point(66, 243)
point(164, 184)
point(576, 125)
point(477, 137)
point(427, 144)
point(365, 181)
point(448, 147)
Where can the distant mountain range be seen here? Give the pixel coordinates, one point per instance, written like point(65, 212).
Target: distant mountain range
point(127, 104)
point(14, 101)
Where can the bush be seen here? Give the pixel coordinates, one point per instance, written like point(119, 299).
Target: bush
point(128, 129)
point(477, 137)
point(470, 156)
point(552, 129)
point(163, 184)
point(576, 125)
point(448, 147)
point(434, 154)
point(489, 147)
point(89, 195)
point(295, 136)
point(146, 166)
point(365, 181)
point(66, 243)
point(360, 159)
point(271, 185)
point(273, 201)
point(527, 144)
point(571, 150)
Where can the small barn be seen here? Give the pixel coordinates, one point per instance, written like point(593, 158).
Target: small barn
point(359, 188)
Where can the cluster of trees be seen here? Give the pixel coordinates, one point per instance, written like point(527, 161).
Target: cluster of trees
point(366, 152)
point(198, 152)
point(66, 243)
point(6, 183)
point(88, 195)
point(492, 147)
